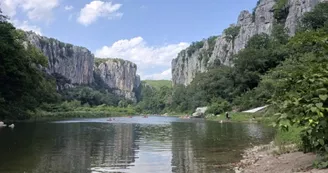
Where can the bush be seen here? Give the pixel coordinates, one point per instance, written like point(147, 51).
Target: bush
point(194, 47)
point(281, 10)
point(304, 102)
point(316, 19)
point(91, 96)
point(218, 107)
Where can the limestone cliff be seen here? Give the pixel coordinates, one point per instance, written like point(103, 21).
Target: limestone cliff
point(202, 55)
point(71, 65)
point(120, 76)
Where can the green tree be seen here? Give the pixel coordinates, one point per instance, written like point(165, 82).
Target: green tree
point(230, 35)
point(23, 85)
point(317, 18)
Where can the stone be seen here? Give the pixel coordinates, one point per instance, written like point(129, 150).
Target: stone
point(120, 76)
point(72, 64)
point(185, 66)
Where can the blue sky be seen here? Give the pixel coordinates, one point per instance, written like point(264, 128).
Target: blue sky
point(147, 32)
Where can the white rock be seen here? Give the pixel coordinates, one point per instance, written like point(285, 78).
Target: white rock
point(121, 76)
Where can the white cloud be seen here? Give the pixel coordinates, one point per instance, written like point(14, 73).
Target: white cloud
point(95, 9)
point(69, 8)
point(26, 26)
point(39, 9)
point(159, 76)
point(8, 7)
point(146, 57)
point(35, 9)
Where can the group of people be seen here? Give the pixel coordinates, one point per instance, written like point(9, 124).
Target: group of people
point(113, 119)
point(185, 117)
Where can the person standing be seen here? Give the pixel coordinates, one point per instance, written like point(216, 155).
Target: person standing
point(227, 115)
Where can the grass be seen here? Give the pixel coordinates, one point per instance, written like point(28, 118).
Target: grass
point(288, 141)
point(75, 110)
point(159, 83)
point(240, 117)
point(78, 114)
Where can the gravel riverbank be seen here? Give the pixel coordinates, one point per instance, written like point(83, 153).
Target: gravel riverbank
point(261, 159)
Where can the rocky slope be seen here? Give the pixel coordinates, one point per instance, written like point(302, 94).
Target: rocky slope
point(217, 50)
point(72, 66)
point(120, 76)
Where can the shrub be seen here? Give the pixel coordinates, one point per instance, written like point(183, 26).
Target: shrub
point(218, 107)
point(281, 10)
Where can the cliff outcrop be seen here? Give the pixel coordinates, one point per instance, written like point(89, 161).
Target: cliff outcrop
point(200, 56)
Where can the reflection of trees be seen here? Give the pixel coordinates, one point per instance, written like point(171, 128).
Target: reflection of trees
point(200, 147)
point(69, 147)
point(155, 132)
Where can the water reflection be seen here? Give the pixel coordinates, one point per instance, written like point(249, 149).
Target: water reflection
point(156, 144)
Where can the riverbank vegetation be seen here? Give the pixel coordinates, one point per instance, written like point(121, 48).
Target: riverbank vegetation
point(23, 86)
point(74, 109)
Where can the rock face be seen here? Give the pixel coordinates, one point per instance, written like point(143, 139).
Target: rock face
point(72, 65)
point(120, 76)
point(192, 61)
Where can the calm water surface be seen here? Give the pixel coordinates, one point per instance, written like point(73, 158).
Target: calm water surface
point(136, 145)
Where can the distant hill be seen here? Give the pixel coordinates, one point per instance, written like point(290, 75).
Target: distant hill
point(158, 83)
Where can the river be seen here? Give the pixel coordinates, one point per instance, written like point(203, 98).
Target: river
point(136, 145)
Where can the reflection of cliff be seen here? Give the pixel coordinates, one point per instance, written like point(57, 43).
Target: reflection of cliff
point(184, 157)
point(116, 149)
point(82, 147)
point(67, 153)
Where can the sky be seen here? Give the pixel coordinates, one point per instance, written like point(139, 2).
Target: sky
point(149, 33)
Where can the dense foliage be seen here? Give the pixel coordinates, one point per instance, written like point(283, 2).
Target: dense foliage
point(159, 83)
point(90, 96)
point(23, 86)
point(154, 98)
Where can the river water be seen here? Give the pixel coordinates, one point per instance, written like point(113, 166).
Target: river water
point(136, 145)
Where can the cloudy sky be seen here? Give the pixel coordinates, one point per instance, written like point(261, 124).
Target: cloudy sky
point(149, 33)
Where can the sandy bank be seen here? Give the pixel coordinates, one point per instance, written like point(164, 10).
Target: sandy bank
point(260, 159)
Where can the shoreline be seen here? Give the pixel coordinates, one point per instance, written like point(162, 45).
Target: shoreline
point(262, 159)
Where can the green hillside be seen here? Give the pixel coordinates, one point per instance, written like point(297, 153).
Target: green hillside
point(158, 83)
